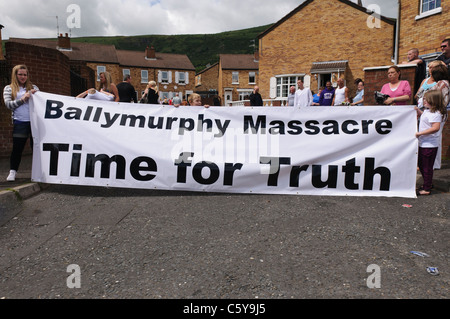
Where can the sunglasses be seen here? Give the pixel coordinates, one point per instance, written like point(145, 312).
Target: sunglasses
point(444, 46)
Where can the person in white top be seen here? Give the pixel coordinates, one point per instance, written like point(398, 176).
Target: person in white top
point(303, 96)
point(341, 93)
point(429, 132)
point(17, 97)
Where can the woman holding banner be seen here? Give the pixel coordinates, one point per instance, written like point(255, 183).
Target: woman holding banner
point(16, 97)
point(107, 90)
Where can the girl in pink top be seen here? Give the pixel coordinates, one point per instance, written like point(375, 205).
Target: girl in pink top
point(399, 91)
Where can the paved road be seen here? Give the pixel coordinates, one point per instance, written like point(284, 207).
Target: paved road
point(158, 244)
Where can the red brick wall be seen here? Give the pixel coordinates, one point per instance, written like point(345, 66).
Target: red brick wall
point(49, 70)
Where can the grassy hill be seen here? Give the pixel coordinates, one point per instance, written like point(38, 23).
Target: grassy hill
point(202, 49)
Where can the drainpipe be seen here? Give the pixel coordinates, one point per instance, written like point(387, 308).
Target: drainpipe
point(397, 32)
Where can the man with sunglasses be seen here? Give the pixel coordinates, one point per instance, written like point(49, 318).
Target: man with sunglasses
point(445, 56)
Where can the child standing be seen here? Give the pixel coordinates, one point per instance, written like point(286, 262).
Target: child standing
point(431, 119)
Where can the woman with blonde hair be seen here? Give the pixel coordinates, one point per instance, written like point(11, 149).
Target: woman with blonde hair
point(16, 97)
point(150, 95)
point(107, 90)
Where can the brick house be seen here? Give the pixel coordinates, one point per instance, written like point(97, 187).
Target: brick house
point(423, 25)
point(68, 68)
point(172, 72)
point(233, 77)
point(320, 41)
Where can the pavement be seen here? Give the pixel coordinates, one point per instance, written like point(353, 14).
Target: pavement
point(23, 188)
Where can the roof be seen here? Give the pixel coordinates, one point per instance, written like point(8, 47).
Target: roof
point(304, 4)
point(162, 61)
point(207, 68)
point(91, 52)
point(238, 62)
point(328, 66)
point(88, 52)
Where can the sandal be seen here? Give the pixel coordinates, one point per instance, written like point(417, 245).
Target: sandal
point(423, 192)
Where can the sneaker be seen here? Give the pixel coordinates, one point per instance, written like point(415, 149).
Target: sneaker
point(12, 176)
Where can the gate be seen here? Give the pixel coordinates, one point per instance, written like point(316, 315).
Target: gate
point(77, 84)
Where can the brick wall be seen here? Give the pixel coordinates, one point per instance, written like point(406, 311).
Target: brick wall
point(325, 30)
point(209, 79)
point(424, 34)
point(49, 70)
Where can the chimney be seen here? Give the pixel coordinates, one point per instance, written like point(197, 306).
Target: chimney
point(1, 47)
point(64, 42)
point(360, 3)
point(150, 53)
point(256, 56)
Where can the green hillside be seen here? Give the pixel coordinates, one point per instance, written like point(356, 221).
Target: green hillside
point(202, 49)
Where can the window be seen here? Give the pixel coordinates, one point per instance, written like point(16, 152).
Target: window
point(125, 72)
point(164, 77)
point(235, 78)
point(428, 5)
point(181, 78)
point(284, 83)
point(428, 8)
point(144, 76)
point(198, 80)
point(100, 69)
point(251, 77)
point(244, 94)
point(429, 58)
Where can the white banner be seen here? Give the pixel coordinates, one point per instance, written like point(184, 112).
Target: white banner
point(345, 151)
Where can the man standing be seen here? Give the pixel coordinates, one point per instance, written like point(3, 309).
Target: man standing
point(327, 95)
point(413, 58)
point(127, 93)
point(303, 96)
point(340, 93)
point(255, 97)
point(291, 96)
point(445, 56)
point(176, 100)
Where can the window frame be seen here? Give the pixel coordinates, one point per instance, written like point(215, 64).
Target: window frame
point(164, 81)
point(250, 75)
point(283, 87)
point(429, 12)
point(100, 69)
point(233, 74)
point(144, 79)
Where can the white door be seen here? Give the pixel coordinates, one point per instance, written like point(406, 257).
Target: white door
point(228, 97)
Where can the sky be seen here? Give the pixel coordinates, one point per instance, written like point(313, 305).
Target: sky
point(80, 18)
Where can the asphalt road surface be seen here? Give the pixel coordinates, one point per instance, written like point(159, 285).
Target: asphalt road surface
point(98, 243)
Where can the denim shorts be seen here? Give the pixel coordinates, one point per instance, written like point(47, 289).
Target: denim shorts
point(21, 129)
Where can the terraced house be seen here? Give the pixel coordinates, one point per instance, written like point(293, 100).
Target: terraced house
point(174, 73)
point(232, 78)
